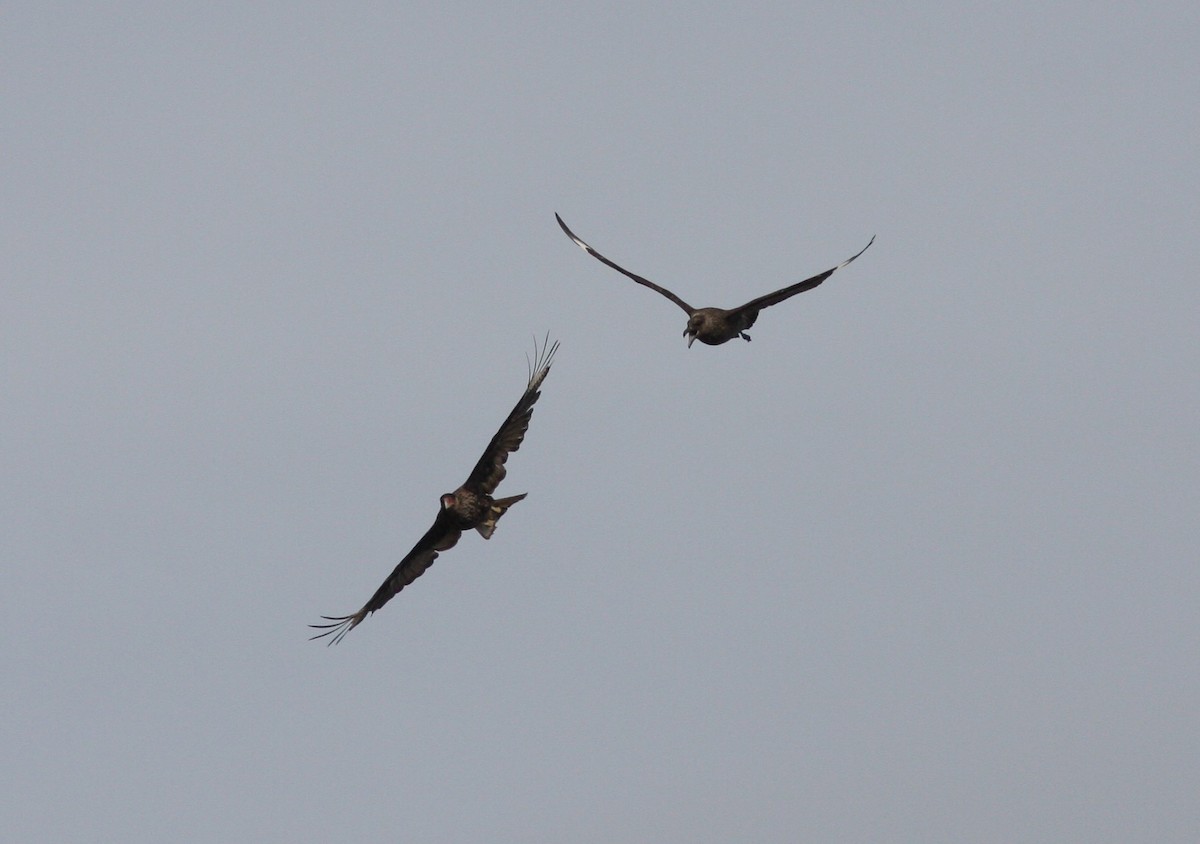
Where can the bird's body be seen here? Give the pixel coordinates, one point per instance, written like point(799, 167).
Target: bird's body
point(715, 326)
point(464, 509)
point(467, 509)
point(470, 507)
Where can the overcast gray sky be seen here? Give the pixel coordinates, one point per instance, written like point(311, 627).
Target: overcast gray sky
point(919, 563)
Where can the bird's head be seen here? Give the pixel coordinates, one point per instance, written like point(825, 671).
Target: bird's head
point(695, 321)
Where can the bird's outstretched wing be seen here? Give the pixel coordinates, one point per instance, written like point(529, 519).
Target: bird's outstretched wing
point(441, 537)
point(490, 471)
point(664, 291)
point(787, 292)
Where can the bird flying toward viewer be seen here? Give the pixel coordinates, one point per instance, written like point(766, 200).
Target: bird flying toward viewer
point(471, 506)
point(715, 326)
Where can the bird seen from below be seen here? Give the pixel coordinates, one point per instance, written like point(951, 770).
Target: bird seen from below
point(715, 326)
point(469, 506)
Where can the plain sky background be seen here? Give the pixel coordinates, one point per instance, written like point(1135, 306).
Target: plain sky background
point(919, 563)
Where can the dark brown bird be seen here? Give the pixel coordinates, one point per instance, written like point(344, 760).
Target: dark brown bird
point(715, 326)
point(469, 506)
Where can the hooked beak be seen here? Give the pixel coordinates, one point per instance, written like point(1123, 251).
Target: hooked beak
point(687, 332)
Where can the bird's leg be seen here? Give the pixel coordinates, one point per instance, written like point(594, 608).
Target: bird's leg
point(745, 336)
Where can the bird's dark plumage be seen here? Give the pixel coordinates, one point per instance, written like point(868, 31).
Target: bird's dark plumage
point(717, 325)
point(471, 506)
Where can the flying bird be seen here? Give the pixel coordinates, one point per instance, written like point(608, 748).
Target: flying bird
point(715, 326)
point(469, 506)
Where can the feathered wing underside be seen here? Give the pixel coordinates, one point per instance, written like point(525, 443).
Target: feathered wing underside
point(490, 471)
point(441, 537)
point(647, 282)
point(778, 296)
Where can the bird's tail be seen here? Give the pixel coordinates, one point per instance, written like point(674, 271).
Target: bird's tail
point(488, 526)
